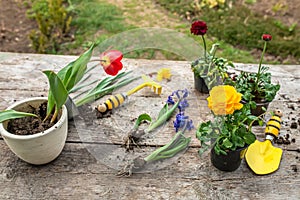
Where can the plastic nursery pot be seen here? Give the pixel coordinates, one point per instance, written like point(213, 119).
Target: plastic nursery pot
point(229, 162)
point(259, 108)
point(200, 84)
point(39, 148)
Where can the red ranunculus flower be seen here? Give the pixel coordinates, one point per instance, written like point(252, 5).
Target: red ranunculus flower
point(267, 37)
point(199, 28)
point(111, 61)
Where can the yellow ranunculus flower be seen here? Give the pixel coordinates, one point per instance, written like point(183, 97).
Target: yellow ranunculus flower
point(224, 99)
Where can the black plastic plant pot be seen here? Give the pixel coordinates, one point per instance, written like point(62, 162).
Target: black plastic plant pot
point(259, 108)
point(200, 84)
point(229, 162)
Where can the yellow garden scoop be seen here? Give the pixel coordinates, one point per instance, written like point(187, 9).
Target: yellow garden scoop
point(115, 101)
point(263, 157)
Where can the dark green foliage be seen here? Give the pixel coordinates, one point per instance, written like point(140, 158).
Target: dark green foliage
point(53, 22)
point(245, 84)
point(241, 27)
point(228, 132)
point(93, 15)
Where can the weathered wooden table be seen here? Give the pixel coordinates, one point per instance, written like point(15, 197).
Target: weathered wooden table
point(81, 173)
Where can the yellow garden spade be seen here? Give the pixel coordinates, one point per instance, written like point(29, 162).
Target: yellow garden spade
point(263, 157)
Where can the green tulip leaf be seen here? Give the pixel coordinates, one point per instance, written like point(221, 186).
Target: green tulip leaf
point(57, 89)
point(140, 119)
point(12, 114)
point(74, 71)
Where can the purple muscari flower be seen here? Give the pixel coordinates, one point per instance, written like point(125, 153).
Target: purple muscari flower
point(170, 100)
point(182, 105)
point(184, 93)
point(190, 125)
point(181, 120)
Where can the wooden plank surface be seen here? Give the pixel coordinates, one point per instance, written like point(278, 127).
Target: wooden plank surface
point(82, 172)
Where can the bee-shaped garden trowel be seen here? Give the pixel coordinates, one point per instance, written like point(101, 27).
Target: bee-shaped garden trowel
point(263, 157)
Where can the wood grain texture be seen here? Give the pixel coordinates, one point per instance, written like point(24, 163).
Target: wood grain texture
point(85, 170)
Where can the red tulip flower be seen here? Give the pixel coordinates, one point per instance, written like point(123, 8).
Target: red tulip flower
point(111, 61)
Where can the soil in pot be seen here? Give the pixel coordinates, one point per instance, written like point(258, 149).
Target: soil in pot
point(31, 125)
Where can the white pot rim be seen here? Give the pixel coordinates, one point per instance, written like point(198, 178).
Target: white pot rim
point(59, 123)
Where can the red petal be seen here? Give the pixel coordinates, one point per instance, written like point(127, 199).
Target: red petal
point(114, 68)
point(114, 65)
point(114, 55)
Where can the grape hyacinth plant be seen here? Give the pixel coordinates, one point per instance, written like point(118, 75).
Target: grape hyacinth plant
point(177, 144)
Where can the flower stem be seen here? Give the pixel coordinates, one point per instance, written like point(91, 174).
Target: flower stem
point(204, 44)
point(259, 66)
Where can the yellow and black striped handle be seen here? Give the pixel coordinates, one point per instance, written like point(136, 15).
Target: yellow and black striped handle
point(274, 124)
point(112, 102)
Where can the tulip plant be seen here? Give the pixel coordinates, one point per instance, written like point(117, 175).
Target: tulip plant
point(62, 83)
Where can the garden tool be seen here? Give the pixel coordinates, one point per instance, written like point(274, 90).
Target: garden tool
point(115, 101)
point(263, 157)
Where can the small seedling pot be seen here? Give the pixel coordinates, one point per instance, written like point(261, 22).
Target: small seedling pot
point(229, 162)
point(39, 148)
point(259, 108)
point(200, 84)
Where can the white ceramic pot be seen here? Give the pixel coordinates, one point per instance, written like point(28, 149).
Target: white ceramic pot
point(39, 148)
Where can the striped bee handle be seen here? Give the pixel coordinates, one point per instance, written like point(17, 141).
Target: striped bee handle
point(274, 124)
point(112, 102)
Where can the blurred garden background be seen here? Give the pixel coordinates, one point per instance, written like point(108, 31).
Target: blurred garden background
point(69, 26)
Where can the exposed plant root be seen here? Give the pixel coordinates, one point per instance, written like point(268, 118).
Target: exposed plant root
point(135, 165)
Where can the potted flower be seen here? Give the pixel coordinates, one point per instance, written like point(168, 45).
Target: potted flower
point(208, 70)
point(257, 88)
point(35, 129)
point(230, 133)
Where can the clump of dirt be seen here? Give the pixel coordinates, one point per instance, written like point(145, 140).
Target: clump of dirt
point(294, 168)
point(285, 139)
point(31, 125)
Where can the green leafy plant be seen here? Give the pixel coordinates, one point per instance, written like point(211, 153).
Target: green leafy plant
point(53, 20)
point(232, 125)
point(256, 87)
point(214, 71)
point(242, 32)
point(60, 85)
point(63, 83)
point(210, 68)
